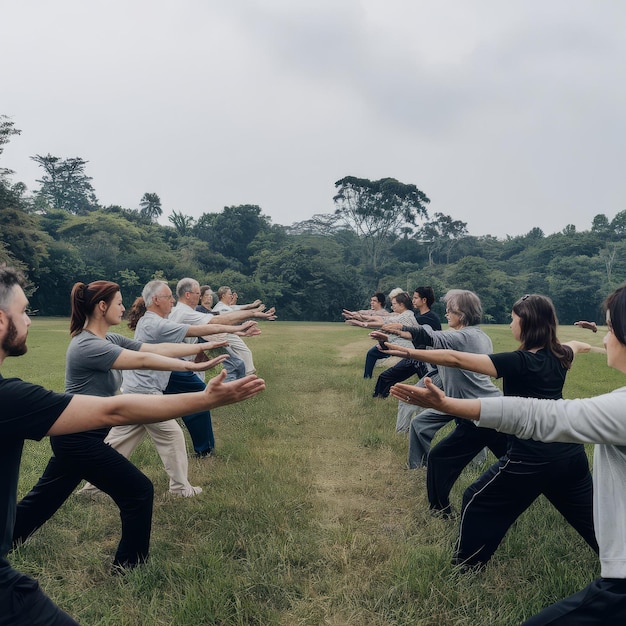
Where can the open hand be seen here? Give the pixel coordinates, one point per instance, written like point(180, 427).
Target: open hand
point(428, 396)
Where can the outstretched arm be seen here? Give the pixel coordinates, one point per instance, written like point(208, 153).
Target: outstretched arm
point(431, 397)
point(234, 317)
point(578, 347)
point(89, 412)
point(480, 363)
point(589, 325)
point(217, 329)
point(141, 360)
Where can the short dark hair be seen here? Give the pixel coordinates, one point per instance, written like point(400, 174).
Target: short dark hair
point(426, 292)
point(381, 297)
point(9, 279)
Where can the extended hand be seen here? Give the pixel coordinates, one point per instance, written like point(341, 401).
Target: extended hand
point(220, 393)
point(588, 325)
point(394, 328)
point(203, 366)
point(270, 314)
point(430, 396)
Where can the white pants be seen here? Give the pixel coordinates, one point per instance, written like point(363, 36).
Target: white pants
point(169, 440)
point(239, 348)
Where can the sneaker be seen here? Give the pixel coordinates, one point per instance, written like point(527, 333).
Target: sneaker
point(187, 492)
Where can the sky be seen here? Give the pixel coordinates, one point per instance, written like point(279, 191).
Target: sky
point(508, 115)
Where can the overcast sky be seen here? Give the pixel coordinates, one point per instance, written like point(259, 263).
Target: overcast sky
point(507, 114)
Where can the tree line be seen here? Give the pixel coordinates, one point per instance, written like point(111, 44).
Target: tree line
point(380, 236)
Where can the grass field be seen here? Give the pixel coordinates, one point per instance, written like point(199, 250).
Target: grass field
point(307, 516)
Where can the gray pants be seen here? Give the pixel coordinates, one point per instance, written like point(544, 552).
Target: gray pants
point(406, 412)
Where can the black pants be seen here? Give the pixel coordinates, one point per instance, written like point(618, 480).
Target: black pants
point(494, 501)
point(452, 454)
point(85, 455)
point(602, 603)
point(23, 603)
point(395, 374)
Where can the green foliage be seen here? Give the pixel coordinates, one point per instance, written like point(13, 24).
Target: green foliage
point(378, 211)
point(379, 237)
point(150, 207)
point(65, 185)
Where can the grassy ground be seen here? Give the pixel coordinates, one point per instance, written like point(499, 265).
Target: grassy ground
point(308, 515)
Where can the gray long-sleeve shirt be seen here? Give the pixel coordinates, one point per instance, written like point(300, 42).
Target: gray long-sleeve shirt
point(458, 383)
point(600, 420)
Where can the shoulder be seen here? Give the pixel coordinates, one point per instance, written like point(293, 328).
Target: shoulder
point(430, 318)
point(28, 409)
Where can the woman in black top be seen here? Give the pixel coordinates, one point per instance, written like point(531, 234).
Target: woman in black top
point(560, 471)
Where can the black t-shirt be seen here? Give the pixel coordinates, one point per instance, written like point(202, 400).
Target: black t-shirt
point(430, 318)
point(533, 375)
point(28, 411)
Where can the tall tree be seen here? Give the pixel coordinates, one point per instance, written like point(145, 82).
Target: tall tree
point(150, 207)
point(378, 210)
point(182, 223)
point(441, 234)
point(232, 231)
point(65, 185)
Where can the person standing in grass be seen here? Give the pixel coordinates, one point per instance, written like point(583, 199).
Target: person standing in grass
point(94, 363)
point(599, 420)
point(559, 471)
point(152, 328)
point(32, 412)
point(188, 294)
point(423, 299)
point(463, 312)
point(402, 308)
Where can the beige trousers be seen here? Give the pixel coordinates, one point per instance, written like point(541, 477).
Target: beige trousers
point(169, 440)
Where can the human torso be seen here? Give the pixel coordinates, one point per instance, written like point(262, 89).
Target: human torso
point(533, 375)
point(153, 328)
point(28, 412)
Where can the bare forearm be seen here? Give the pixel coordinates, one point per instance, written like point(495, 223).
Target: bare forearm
point(89, 412)
point(174, 350)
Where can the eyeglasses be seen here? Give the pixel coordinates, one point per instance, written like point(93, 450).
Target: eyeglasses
point(525, 297)
point(164, 295)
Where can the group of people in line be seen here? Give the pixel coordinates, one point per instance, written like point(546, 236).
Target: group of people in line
point(94, 428)
point(537, 437)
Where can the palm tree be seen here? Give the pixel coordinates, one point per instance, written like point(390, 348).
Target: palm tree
point(150, 205)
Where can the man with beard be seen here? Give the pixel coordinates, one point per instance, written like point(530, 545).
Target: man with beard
point(32, 412)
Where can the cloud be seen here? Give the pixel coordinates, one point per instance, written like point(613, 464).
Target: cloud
point(507, 115)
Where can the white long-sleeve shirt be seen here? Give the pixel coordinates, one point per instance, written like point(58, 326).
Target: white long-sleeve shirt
point(600, 420)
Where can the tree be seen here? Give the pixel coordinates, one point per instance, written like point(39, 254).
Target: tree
point(231, 232)
point(601, 224)
point(182, 223)
point(7, 130)
point(378, 210)
point(441, 235)
point(65, 185)
point(150, 207)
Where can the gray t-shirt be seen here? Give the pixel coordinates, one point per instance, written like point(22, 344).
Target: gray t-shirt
point(89, 360)
point(153, 328)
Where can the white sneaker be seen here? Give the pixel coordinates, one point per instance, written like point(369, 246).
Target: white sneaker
point(188, 492)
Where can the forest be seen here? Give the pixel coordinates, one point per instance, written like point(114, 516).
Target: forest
point(381, 235)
